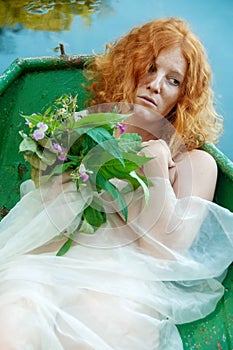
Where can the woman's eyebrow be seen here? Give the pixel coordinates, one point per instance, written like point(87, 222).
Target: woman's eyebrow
point(178, 73)
point(172, 70)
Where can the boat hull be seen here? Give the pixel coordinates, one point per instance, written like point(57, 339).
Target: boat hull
point(30, 84)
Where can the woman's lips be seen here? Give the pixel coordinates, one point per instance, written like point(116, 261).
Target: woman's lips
point(148, 100)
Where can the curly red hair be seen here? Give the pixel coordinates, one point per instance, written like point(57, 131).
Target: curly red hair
point(115, 74)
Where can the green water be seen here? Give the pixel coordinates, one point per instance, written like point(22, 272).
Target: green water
point(36, 28)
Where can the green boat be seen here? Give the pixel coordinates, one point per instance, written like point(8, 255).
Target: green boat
point(27, 86)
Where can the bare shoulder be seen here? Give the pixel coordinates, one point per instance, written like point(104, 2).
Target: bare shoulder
point(196, 175)
point(202, 159)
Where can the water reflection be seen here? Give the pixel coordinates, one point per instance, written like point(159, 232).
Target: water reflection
point(34, 28)
point(39, 7)
point(48, 15)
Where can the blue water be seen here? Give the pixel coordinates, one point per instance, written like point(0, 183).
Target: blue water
point(211, 20)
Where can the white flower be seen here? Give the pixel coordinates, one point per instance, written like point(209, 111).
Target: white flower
point(79, 115)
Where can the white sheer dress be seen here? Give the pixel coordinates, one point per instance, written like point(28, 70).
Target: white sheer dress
point(124, 287)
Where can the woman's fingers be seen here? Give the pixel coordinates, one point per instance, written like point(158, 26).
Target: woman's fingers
point(159, 150)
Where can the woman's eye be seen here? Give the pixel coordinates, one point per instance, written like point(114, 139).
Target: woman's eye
point(174, 81)
point(152, 69)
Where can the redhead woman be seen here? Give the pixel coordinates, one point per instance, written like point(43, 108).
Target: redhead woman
point(163, 66)
point(127, 285)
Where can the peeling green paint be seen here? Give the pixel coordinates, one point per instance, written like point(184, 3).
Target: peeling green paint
point(24, 65)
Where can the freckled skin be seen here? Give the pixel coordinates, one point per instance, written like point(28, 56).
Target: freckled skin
point(158, 92)
point(163, 82)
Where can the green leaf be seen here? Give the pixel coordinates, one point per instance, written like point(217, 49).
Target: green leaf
point(105, 140)
point(75, 159)
point(93, 216)
point(130, 142)
point(95, 157)
point(113, 168)
point(49, 110)
point(97, 203)
point(138, 160)
point(46, 156)
point(106, 185)
point(33, 118)
point(22, 134)
point(35, 161)
point(101, 137)
point(86, 227)
point(28, 144)
point(87, 144)
point(133, 182)
point(143, 185)
point(61, 168)
point(97, 119)
point(66, 246)
point(46, 142)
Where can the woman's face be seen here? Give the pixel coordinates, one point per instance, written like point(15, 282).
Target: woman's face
point(160, 88)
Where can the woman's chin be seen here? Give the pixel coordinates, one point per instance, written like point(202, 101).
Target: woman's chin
point(145, 122)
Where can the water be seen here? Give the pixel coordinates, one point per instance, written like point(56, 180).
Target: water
point(36, 28)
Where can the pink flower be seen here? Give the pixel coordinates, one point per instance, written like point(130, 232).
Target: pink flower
point(62, 157)
point(82, 173)
point(29, 124)
point(57, 147)
point(61, 150)
point(38, 134)
point(42, 126)
point(121, 127)
point(84, 177)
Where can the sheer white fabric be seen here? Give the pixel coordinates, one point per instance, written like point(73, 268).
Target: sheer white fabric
point(124, 287)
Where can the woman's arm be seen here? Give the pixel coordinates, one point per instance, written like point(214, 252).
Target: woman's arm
point(196, 175)
point(171, 221)
point(162, 159)
point(196, 171)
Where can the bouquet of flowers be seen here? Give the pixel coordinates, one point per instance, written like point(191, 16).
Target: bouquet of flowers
point(94, 148)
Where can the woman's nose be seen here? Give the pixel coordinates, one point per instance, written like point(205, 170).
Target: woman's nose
point(155, 84)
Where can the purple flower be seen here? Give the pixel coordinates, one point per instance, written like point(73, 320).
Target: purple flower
point(121, 127)
point(82, 173)
point(61, 150)
point(38, 134)
point(84, 177)
point(29, 123)
point(62, 157)
point(42, 126)
point(57, 147)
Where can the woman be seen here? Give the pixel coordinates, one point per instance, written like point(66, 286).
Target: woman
point(163, 66)
point(126, 286)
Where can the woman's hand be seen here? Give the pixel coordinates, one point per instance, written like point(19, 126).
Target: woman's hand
point(162, 159)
